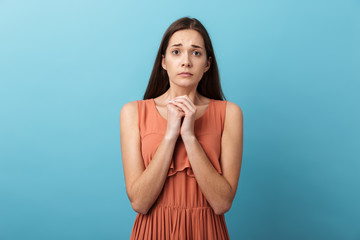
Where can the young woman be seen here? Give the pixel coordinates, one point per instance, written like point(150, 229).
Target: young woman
point(182, 144)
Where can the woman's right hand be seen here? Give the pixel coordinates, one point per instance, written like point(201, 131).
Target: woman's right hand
point(174, 116)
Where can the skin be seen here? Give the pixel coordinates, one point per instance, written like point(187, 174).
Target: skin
point(143, 185)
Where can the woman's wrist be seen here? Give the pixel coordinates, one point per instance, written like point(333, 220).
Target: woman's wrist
point(188, 138)
point(170, 137)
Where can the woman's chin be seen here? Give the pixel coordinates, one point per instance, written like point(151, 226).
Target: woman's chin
point(185, 82)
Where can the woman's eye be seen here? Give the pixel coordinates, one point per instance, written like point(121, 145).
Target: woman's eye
point(176, 52)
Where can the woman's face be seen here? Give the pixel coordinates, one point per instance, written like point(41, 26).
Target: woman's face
point(185, 53)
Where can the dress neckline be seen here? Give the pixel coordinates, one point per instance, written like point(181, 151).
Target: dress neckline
point(202, 116)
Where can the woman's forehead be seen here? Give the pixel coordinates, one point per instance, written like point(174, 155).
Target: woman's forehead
point(186, 37)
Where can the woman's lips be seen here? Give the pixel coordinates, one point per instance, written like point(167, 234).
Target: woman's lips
point(185, 74)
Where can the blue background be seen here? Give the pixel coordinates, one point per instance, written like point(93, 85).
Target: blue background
point(68, 67)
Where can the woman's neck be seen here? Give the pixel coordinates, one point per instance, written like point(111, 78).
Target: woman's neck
point(172, 93)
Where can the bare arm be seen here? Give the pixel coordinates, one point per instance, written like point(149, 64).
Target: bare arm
point(219, 190)
point(143, 185)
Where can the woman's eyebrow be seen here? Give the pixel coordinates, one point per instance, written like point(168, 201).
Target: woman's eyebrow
point(179, 44)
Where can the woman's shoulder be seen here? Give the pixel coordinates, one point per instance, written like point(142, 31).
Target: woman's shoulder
point(130, 110)
point(230, 106)
point(233, 111)
point(129, 107)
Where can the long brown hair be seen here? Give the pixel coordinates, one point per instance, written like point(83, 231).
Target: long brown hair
point(209, 84)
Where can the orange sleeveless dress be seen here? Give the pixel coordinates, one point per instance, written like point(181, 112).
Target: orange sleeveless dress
point(181, 210)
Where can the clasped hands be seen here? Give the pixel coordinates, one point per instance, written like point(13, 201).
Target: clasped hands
point(187, 109)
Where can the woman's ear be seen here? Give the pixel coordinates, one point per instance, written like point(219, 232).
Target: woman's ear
point(208, 64)
point(163, 62)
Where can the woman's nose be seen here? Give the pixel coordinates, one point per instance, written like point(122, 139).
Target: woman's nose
point(186, 60)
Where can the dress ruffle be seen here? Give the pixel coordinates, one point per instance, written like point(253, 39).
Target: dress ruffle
point(180, 161)
point(186, 166)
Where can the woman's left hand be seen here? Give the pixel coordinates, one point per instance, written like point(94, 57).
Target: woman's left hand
point(189, 108)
